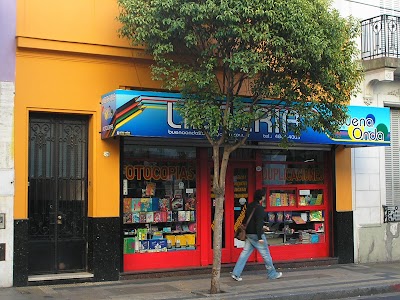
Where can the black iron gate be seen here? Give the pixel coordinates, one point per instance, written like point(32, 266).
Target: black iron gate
point(57, 200)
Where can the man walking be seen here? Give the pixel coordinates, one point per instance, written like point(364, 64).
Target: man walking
point(255, 238)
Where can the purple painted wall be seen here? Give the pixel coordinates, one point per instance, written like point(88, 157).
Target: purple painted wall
point(7, 39)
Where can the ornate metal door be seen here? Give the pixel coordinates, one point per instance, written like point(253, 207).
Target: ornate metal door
point(57, 200)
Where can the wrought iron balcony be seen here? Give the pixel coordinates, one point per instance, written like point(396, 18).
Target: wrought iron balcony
point(380, 37)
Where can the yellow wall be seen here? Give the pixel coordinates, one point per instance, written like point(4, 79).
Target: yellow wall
point(67, 57)
point(343, 180)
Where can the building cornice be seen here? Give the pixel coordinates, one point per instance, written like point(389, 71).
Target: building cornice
point(81, 48)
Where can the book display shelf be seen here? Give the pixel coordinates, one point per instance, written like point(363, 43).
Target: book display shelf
point(159, 224)
point(159, 214)
point(159, 221)
point(295, 215)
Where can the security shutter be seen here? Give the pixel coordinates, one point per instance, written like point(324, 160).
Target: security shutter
point(392, 160)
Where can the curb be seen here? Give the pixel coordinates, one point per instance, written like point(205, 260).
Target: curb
point(334, 293)
point(337, 293)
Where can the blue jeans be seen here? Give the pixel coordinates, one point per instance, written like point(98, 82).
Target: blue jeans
point(251, 243)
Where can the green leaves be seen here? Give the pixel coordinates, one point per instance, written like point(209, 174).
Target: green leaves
point(299, 51)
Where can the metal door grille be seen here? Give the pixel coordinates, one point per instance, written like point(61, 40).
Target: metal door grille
point(57, 192)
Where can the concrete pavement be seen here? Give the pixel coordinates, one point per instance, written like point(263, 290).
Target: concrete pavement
point(309, 283)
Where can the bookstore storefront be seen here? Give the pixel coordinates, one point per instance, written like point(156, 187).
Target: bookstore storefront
point(166, 178)
point(160, 207)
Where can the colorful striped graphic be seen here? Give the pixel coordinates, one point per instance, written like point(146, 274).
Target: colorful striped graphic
point(124, 114)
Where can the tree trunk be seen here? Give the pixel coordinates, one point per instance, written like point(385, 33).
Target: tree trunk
point(219, 192)
point(217, 244)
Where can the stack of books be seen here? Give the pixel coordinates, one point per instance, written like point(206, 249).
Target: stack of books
point(305, 237)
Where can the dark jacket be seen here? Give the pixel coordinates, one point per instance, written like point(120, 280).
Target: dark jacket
point(256, 222)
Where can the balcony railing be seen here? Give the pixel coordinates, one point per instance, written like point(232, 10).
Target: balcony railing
point(380, 37)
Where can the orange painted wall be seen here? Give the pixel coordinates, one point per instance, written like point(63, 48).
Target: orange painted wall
point(343, 180)
point(88, 21)
point(71, 85)
point(68, 55)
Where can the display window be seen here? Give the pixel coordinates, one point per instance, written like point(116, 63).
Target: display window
point(159, 204)
point(296, 197)
point(166, 224)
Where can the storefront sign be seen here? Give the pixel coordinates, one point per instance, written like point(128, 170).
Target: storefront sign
point(142, 172)
point(279, 174)
point(154, 114)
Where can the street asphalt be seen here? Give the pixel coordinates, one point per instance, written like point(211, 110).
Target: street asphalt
point(307, 283)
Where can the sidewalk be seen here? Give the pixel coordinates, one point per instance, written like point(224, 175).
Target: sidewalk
point(326, 282)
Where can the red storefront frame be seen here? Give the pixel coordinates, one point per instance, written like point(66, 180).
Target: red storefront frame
point(202, 255)
point(303, 251)
point(229, 252)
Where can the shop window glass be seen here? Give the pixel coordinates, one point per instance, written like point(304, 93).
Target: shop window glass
point(282, 167)
point(159, 199)
point(159, 152)
point(296, 196)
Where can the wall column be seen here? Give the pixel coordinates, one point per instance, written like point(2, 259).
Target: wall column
point(343, 223)
point(6, 183)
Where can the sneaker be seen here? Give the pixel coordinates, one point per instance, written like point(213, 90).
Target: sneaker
point(237, 278)
point(278, 275)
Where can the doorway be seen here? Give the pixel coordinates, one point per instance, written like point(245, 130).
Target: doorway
point(240, 187)
point(57, 194)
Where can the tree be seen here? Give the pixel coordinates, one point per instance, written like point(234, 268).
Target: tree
point(299, 53)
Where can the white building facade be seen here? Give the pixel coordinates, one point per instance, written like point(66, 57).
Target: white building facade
point(7, 89)
point(375, 170)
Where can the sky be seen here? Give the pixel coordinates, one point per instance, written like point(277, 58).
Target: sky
point(364, 9)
